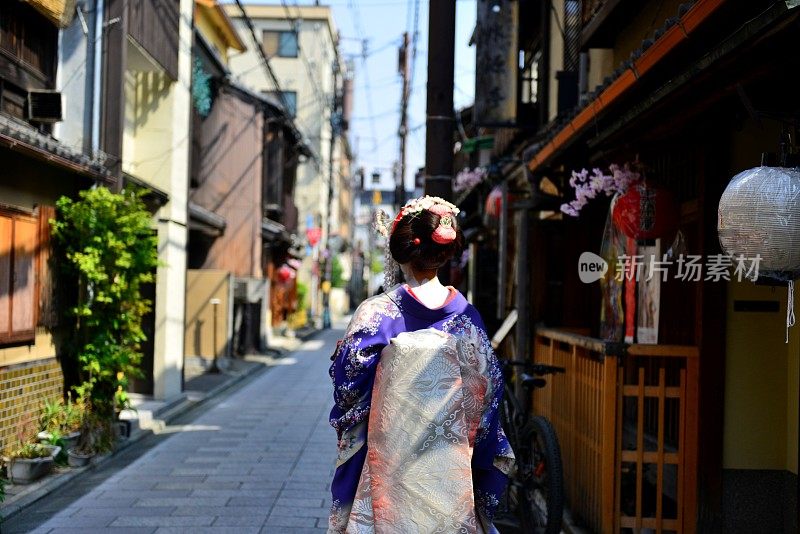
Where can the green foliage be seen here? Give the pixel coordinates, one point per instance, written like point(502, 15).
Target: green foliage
point(3, 483)
point(201, 88)
point(30, 451)
point(105, 249)
point(73, 414)
point(59, 417)
point(302, 293)
point(51, 416)
point(376, 263)
point(97, 435)
point(336, 272)
point(56, 438)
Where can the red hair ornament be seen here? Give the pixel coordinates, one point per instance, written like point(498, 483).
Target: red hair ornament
point(445, 232)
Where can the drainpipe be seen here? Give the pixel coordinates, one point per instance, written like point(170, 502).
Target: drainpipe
point(97, 81)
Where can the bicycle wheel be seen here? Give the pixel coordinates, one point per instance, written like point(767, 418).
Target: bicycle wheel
point(544, 490)
point(506, 517)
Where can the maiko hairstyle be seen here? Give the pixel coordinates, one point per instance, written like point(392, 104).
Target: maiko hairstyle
point(412, 241)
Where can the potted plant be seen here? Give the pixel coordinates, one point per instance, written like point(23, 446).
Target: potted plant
point(82, 454)
point(60, 422)
point(96, 437)
point(2, 492)
point(31, 461)
point(72, 421)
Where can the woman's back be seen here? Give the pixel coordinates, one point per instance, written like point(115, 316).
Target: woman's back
point(416, 394)
point(427, 403)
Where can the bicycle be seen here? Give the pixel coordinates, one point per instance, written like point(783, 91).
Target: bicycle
point(535, 493)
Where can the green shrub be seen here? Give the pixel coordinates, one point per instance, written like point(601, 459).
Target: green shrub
point(376, 263)
point(336, 272)
point(302, 296)
point(105, 249)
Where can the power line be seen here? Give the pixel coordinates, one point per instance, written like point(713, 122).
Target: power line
point(270, 72)
point(378, 116)
point(370, 53)
point(364, 43)
point(293, 21)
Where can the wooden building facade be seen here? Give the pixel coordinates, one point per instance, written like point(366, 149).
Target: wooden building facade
point(242, 216)
point(41, 162)
point(697, 432)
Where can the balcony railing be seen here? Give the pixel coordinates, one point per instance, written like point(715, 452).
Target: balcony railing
point(627, 424)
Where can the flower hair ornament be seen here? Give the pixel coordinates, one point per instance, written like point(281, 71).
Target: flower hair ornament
point(445, 232)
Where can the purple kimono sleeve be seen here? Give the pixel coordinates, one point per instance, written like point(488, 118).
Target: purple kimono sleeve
point(353, 374)
point(492, 457)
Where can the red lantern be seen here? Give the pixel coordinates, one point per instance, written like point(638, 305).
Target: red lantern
point(285, 273)
point(313, 235)
point(494, 201)
point(645, 212)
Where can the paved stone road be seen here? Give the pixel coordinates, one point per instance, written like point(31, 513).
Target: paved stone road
point(260, 460)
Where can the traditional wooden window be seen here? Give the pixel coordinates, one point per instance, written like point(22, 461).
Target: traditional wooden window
point(28, 46)
point(28, 50)
point(530, 76)
point(280, 43)
point(19, 262)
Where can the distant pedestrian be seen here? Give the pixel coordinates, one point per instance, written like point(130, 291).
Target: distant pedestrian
point(416, 391)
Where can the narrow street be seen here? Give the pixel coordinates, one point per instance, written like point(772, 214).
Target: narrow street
point(259, 460)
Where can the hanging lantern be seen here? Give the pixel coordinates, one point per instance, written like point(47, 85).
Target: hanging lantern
point(313, 235)
point(285, 273)
point(494, 201)
point(759, 215)
point(645, 212)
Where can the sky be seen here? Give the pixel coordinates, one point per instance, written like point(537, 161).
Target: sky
point(376, 113)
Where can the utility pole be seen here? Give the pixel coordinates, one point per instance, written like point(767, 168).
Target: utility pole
point(402, 67)
point(335, 123)
point(440, 120)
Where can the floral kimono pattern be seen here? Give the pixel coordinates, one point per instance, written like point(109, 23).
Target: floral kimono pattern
point(416, 396)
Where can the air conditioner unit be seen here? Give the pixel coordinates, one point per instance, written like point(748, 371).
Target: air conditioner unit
point(44, 106)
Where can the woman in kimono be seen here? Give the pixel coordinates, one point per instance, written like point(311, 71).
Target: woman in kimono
point(416, 390)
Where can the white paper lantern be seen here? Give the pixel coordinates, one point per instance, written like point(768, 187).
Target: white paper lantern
point(759, 214)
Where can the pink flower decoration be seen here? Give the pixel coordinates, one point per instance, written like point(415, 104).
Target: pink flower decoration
point(588, 187)
point(445, 233)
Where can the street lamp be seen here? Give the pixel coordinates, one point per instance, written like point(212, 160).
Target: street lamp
point(214, 306)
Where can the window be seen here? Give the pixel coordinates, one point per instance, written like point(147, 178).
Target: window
point(572, 34)
point(530, 77)
point(19, 244)
point(29, 41)
point(289, 100)
point(281, 44)
point(28, 44)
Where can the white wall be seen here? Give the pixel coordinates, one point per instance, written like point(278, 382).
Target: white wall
point(74, 81)
point(155, 150)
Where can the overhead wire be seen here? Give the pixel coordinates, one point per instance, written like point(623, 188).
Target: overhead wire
point(293, 20)
point(270, 73)
point(364, 44)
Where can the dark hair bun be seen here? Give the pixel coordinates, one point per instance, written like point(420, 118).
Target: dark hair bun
point(427, 255)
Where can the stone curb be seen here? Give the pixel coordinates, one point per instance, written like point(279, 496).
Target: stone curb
point(51, 483)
